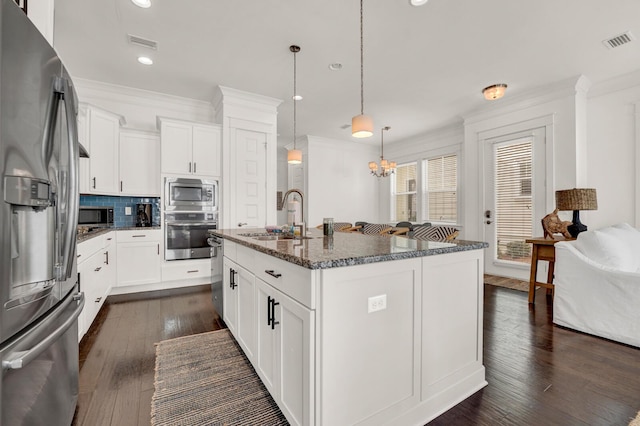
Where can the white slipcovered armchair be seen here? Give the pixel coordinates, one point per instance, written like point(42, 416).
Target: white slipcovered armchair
point(597, 283)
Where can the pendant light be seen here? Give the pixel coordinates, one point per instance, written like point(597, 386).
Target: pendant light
point(361, 125)
point(294, 156)
point(386, 167)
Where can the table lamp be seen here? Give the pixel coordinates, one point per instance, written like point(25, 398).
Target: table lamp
point(576, 199)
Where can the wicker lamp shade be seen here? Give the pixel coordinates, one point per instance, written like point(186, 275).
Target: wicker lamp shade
point(577, 199)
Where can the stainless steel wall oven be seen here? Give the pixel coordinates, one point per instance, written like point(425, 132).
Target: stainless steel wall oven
point(186, 234)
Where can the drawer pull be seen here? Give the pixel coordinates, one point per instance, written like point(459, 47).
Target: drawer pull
point(273, 273)
point(191, 272)
point(139, 236)
point(98, 268)
point(98, 299)
point(78, 256)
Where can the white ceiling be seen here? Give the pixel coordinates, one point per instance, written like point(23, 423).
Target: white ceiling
point(424, 66)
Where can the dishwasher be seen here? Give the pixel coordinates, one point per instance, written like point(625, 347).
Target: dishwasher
point(216, 272)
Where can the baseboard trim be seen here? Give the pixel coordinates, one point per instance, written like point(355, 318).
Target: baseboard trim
point(156, 294)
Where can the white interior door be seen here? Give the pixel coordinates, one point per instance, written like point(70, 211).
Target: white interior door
point(250, 179)
point(514, 186)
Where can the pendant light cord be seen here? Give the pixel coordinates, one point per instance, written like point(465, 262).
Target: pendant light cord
point(295, 93)
point(361, 61)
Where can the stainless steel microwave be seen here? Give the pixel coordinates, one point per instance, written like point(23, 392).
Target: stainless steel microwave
point(98, 216)
point(185, 194)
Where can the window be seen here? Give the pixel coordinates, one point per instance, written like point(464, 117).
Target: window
point(440, 187)
point(404, 192)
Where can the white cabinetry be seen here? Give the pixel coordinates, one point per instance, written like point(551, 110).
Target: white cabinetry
point(138, 257)
point(99, 131)
point(189, 271)
point(189, 148)
point(275, 331)
point(285, 352)
point(97, 273)
point(41, 13)
point(139, 163)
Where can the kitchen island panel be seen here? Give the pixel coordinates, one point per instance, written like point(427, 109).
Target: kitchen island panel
point(369, 361)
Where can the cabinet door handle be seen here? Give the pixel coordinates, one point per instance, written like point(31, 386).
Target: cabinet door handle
point(189, 166)
point(269, 319)
point(194, 166)
point(98, 268)
point(158, 249)
point(232, 278)
point(94, 183)
point(106, 253)
point(273, 313)
point(120, 186)
point(273, 273)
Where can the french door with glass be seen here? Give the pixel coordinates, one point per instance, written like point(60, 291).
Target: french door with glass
point(514, 183)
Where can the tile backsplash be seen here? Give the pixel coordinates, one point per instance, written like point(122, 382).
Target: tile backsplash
point(120, 220)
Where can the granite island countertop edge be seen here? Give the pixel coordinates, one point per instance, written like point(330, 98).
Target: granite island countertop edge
point(457, 246)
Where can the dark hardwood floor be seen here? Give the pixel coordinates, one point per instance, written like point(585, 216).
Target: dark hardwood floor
point(117, 355)
point(538, 373)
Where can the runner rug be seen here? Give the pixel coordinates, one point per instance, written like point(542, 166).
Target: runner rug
point(205, 379)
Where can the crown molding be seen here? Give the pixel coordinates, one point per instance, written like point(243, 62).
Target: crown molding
point(615, 84)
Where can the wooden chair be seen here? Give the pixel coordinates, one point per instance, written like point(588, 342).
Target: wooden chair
point(435, 233)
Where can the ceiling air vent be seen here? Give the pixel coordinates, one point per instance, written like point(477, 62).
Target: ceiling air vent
point(619, 40)
point(139, 41)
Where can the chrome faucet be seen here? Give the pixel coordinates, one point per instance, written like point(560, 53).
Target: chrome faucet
point(284, 201)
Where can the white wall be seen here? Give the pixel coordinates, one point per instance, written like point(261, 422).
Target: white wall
point(337, 181)
point(612, 151)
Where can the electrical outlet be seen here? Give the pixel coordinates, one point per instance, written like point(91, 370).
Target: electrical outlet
point(377, 303)
point(127, 210)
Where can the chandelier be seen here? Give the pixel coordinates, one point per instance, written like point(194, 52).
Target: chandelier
point(386, 167)
point(294, 156)
point(361, 125)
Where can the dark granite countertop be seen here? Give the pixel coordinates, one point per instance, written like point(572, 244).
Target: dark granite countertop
point(99, 231)
point(344, 249)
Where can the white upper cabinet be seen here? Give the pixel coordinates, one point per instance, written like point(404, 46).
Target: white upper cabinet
point(41, 13)
point(139, 163)
point(99, 133)
point(189, 148)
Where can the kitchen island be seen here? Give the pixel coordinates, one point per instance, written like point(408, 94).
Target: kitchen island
point(357, 329)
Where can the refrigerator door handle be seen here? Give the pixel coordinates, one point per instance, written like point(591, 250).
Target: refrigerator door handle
point(69, 99)
point(22, 358)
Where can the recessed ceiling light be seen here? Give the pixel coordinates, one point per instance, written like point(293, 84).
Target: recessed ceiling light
point(296, 97)
point(145, 60)
point(335, 66)
point(418, 2)
point(142, 3)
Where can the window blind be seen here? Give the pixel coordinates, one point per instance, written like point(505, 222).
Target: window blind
point(513, 213)
point(440, 185)
point(404, 192)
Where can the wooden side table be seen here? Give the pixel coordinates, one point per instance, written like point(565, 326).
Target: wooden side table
point(543, 249)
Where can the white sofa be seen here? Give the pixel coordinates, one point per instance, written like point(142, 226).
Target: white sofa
point(597, 283)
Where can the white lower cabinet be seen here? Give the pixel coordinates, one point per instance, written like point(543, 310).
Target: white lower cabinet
point(139, 257)
point(285, 356)
point(97, 276)
point(239, 305)
point(276, 332)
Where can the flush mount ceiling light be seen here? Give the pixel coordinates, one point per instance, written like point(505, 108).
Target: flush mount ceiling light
point(142, 3)
point(386, 167)
point(361, 125)
point(145, 60)
point(418, 2)
point(495, 91)
point(294, 156)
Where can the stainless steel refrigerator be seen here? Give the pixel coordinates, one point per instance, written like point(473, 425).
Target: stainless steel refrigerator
point(39, 294)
